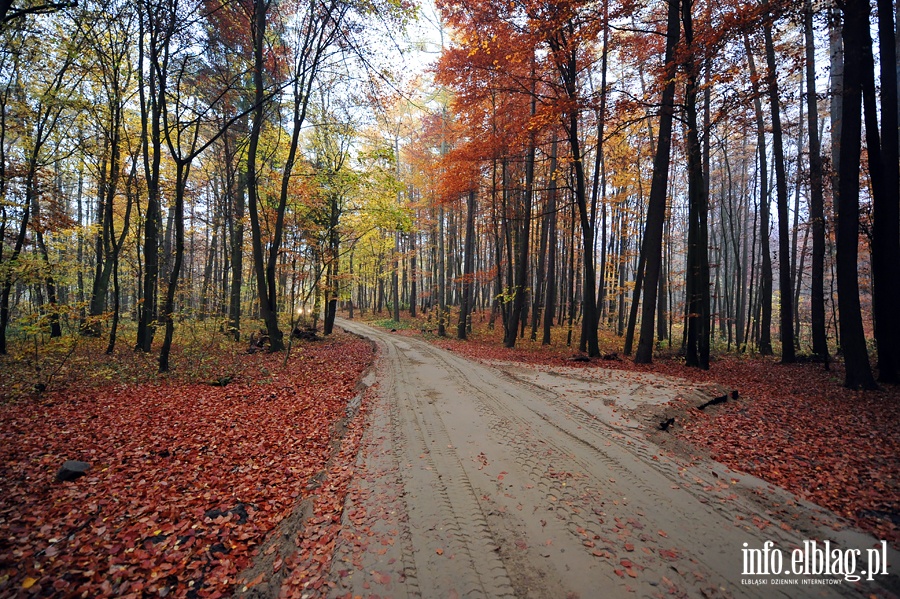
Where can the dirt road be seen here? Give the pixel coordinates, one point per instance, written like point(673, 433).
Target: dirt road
point(478, 482)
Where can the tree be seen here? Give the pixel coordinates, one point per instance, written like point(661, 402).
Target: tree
point(154, 31)
point(550, 302)
point(651, 246)
point(816, 199)
point(784, 248)
point(465, 305)
point(43, 108)
point(336, 183)
point(315, 31)
point(853, 342)
point(558, 38)
point(520, 290)
point(884, 168)
point(110, 43)
point(765, 281)
point(265, 285)
point(183, 119)
point(565, 30)
point(9, 14)
point(697, 303)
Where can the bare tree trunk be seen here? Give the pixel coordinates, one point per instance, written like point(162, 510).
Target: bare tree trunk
point(151, 143)
point(853, 343)
point(520, 289)
point(206, 284)
point(168, 313)
point(442, 277)
point(538, 290)
point(884, 168)
point(570, 292)
point(550, 302)
point(413, 274)
point(332, 291)
point(265, 288)
point(784, 241)
point(116, 251)
point(765, 281)
point(359, 296)
point(651, 247)
point(698, 300)
point(395, 280)
point(816, 196)
point(235, 201)
point(465, 305)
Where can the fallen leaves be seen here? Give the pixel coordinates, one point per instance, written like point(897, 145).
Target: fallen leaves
point(798, 428)
point(668, 554)
point(186, 479)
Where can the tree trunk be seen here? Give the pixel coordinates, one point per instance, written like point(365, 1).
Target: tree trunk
point(538, 293)
point(520, 290)
point(465, 305)
point(206, 284)
point(395, 278)
point(765, 281)
point(853, 341)
point(237, 256)
point(884, 167)
point(265, 285)
point(589, 298)
point(550, 302)
point(413, 275)
point(698, 299)
point(106, 198)
point(114, 257)
point(651, 247)
point(816, 196)
point(836, 58)
point(151, 145)
point(182, 170)
point(52, 300)
point(8, 279)
point(442, 277)
point(332, 291)
point(350, 286)
point(784, 240)
point(570, 291)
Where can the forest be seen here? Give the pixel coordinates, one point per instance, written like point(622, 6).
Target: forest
point(702, 177)
point(345, 298)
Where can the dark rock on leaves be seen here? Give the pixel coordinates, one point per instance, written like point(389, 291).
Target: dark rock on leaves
point(72, 470)
point(239, 512)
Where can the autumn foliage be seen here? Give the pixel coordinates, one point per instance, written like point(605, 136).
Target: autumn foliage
point(185, 482)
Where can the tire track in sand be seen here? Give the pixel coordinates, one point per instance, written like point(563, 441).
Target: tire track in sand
point(506, 489)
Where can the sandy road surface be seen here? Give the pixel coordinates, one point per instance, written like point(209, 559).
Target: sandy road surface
point(473, 482)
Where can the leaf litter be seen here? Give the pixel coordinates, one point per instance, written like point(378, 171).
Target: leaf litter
point(186, 479)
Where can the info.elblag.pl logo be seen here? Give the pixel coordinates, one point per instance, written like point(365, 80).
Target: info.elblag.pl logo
point(813, 560)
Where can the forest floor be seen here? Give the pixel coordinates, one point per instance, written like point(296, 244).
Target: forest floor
point(188, 478)
point(301, 481)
